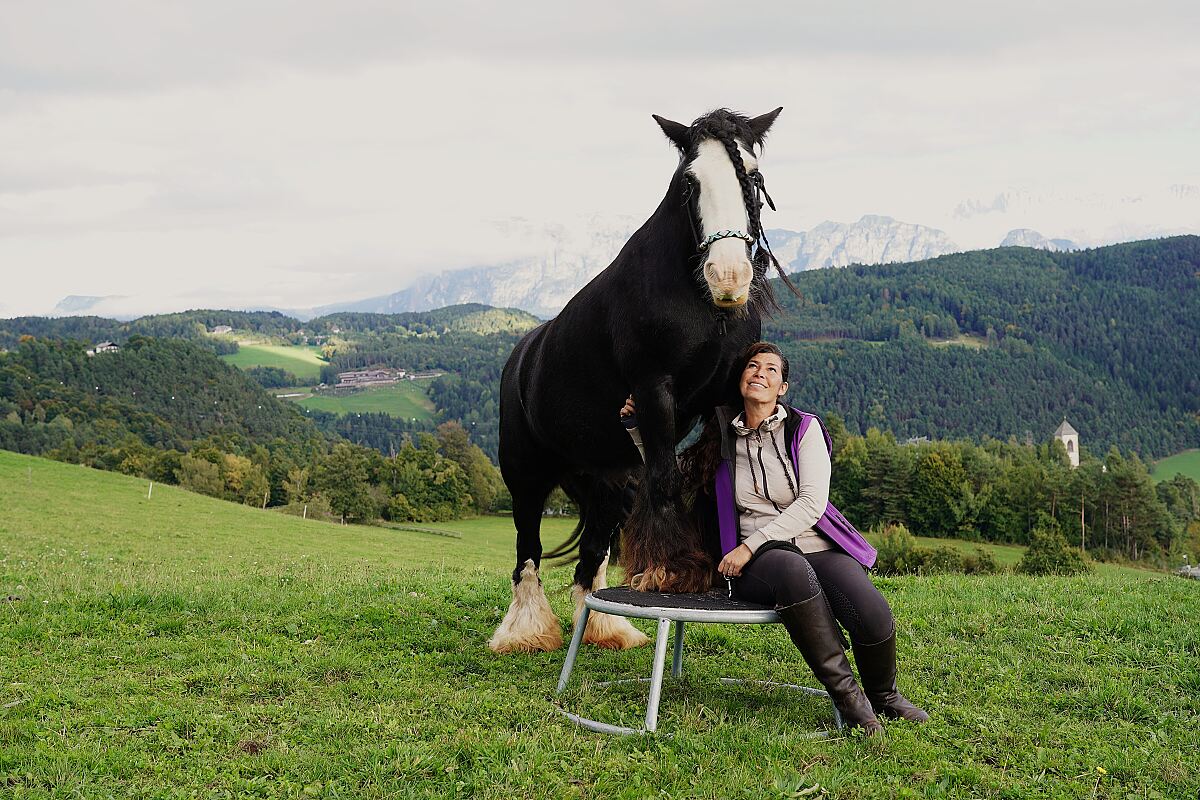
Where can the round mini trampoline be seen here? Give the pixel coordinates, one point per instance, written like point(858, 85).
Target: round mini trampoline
point(709, 607)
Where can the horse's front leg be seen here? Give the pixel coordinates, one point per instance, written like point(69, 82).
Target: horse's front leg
point(661, 549)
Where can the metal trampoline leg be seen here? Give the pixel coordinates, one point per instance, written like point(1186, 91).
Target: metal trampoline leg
point(656, 676)
point(837, 715)
point(677, 660)
point(573, 650)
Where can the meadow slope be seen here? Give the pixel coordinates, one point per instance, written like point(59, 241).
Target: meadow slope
point(303, 362)
point(179, 646)
point(1185, 463)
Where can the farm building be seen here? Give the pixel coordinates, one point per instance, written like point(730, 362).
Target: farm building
point(103, 347)
point(368, 377)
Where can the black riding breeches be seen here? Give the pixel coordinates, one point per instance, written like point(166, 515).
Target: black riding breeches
point(782, 577)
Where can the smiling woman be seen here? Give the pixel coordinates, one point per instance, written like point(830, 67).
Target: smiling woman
point(783, 544)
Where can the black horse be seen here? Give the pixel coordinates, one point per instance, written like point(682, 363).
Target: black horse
point(664, 322)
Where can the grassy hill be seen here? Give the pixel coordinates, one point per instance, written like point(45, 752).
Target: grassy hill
point(1185, 463)
point(406, 399)
point(181, 646)
point(303, 362)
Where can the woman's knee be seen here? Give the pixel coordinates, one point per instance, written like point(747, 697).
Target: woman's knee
point(873, 617)
point(792, 576)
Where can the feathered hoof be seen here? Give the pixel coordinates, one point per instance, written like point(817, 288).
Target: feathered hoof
point(530, 625)
point(606, 630)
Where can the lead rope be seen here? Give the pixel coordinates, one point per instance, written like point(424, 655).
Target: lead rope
point(763, 467)
point(786, 472)
point(764, 260)
point(750, 461)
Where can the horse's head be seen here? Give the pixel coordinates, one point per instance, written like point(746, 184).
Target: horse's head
point(719, 166)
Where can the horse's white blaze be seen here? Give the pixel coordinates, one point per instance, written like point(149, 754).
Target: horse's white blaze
point(726, 268)
point(605, 630)
point(530, 623)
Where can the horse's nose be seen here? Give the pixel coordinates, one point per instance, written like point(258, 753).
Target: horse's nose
point(729, 273)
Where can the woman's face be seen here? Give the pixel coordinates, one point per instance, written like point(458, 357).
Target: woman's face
point(762, 379)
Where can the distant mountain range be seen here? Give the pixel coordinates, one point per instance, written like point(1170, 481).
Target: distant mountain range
point(543, 283)
point(1023, 237)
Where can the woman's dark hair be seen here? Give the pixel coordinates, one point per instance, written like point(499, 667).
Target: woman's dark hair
point(765, 347)
point(699, 461)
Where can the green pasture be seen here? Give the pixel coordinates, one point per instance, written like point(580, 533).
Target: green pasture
point(406, 399)
point(1185, 463)
point(178, 646)
point(303, 362)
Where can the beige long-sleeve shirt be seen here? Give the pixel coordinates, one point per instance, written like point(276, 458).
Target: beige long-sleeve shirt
point(768, 507)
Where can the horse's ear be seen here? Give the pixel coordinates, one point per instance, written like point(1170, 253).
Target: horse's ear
point(675, 131)
point(760, 125)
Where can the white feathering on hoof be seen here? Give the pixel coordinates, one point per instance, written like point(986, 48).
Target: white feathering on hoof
point(605, 630)
point(530, 624)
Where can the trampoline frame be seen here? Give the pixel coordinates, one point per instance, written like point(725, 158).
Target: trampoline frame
point(665, 616)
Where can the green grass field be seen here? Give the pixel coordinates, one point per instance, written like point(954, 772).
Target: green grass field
point(1186, 463)
point(303, 362)
point(181, 646)
point(406, 399)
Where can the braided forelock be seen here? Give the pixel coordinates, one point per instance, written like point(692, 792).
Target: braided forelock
point(726, 138)
point(727, 127)
point(725, 130)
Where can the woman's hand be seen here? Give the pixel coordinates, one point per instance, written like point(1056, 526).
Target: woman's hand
point(731, 565)
point(628, 410)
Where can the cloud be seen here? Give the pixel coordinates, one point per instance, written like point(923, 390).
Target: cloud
point(130, 45)
point(307, 154)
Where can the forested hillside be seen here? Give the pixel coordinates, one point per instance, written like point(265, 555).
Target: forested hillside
point(468, 318)
point(183, 325)
point(467, 342)
point(470, 343)
point(173, 412)
point(998, 343)
point(1109, 338)
point(166, 393)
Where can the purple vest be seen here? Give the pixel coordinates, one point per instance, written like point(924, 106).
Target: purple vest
point(835, 526)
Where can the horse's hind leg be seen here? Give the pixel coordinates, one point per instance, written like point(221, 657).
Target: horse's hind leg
point(529, 624)
point(604, 514)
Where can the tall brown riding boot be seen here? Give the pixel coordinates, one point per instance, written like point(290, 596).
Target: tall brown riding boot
point(814, 632)
point(877, 668)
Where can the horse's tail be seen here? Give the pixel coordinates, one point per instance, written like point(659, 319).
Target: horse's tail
point(568, 549)
point(604, 504)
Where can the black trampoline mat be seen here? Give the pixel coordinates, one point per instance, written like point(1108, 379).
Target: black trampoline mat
point(715, 600)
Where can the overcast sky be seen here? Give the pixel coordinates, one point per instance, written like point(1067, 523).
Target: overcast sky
point(292, 154)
